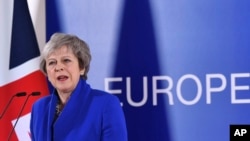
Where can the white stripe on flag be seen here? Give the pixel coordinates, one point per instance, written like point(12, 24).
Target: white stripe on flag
point(23, 128)
point(26, 68)
point(6, 13)
point(37, 13)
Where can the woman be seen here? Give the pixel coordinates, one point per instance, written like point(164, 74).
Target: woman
point(74, 111)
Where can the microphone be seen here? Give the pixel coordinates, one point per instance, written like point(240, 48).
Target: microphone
point(20, 94)
point(19, 115)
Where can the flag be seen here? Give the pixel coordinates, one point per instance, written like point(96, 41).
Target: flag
point(19, 65)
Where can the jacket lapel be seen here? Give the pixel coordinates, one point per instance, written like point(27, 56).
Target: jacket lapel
point(72, 111)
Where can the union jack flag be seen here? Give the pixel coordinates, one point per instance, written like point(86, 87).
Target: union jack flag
point(22, 29)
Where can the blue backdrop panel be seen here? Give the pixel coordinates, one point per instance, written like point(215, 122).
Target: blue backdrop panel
point(182, 65)
point(137, 57)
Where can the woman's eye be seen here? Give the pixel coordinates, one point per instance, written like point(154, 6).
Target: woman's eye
point(51, 63)
point(66, 60)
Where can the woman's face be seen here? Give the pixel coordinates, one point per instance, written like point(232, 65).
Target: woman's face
point(63, 70)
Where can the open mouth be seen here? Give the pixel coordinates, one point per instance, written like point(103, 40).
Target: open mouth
point(62, 77)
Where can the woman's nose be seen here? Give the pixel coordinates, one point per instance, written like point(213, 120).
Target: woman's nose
point(58, 68)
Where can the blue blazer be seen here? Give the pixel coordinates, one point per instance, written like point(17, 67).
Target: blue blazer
point(89, 115)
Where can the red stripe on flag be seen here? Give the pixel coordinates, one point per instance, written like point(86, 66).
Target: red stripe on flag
point(35, 81)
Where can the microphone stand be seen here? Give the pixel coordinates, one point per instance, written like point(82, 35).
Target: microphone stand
point(19, 115)
point(20, 94)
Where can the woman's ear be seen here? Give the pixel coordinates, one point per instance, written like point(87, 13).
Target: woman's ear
point(82, 72)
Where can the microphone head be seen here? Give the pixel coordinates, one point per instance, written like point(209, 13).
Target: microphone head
point(21, 94)
point(35, 93)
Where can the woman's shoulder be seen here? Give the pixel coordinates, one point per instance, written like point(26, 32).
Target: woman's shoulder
point(103, 96)
point(42, 101)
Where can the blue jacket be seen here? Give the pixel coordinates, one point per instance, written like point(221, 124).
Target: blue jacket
point(89, 115)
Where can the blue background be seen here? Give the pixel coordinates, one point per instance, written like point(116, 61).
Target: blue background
point(147, 38)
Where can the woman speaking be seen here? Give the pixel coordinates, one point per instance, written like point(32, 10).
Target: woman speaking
point(74, 111)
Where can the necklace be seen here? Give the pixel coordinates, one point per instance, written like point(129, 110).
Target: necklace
point(59, 108)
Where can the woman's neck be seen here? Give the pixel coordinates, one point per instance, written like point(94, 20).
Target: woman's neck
point(64, 97)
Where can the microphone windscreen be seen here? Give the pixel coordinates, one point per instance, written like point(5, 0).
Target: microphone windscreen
point(35, 93)
point(21, 94)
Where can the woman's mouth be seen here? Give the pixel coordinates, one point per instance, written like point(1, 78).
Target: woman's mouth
point(62, 77)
